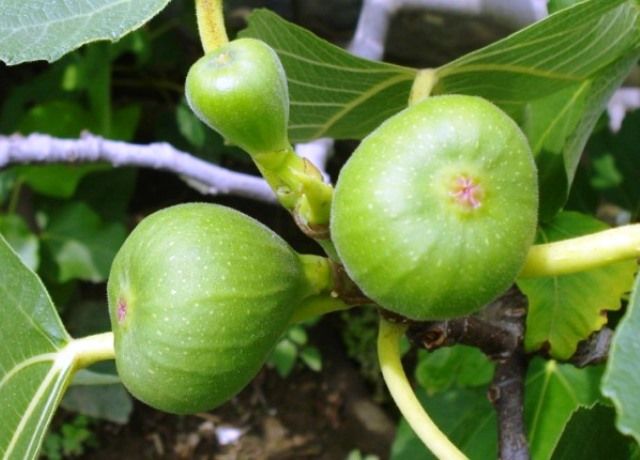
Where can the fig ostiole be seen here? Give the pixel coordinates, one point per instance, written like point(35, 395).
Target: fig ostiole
point(198, 296)
point(240, 91)
point(435, 211)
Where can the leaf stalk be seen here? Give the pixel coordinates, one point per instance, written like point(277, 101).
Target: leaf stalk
point(582, 253)
point(89, 350)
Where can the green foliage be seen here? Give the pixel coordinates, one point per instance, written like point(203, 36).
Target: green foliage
point(453, 367)
point(72, 440)
point(33, 372)
point(556, 5)
point(553, 393)
point(293, 346)
point(592, 433)
point(44, 29)
point(359, 331)
point(613, 168)
point(81, 244)
point(357, 455)
point(109, 402)
point(465, 415)
point(458, 405)
point(622, 379)
point(563, 310)
point(21, 239)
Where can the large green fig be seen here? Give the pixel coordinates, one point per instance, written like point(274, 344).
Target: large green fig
point(240, 90)
point(434, 213)
point(198, 296)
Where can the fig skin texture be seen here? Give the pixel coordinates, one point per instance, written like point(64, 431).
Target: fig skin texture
point(198, 296)
point(240, 91)
point(435, 211)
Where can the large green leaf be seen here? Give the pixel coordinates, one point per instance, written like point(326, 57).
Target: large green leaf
point(34, 367)
point(109, 402)
point(622, 378)
point(567, 48)
point(592, 433)
point(559, 146)
point(464, 415)
point(450, 367)
point(556, 5)
point(333, 93)
point(46, 29)
point(553, 393)
point(82, 244)
point(563, 310)
point(22, 240)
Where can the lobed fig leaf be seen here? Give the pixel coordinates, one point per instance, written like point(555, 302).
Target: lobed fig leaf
point(434, 213)
point(198, 296)
point(240, 90)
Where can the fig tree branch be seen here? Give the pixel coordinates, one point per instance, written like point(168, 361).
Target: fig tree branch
point(594, 350)
point(497, 330)
point(208, 178)
point(506, 393)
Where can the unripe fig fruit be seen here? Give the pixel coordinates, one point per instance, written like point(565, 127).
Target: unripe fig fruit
point(434, 213)
point(198, 296)
point(240, 90)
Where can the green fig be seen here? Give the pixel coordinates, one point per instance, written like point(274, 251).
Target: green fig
point(198, 296)
point(435, 211)
point(240, 90)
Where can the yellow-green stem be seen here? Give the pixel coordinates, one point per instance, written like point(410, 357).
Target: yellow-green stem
point(424, 82)
point(389, 356)
point(298, 185)
point(317, 306)
point(318, 272)
point(89, 350)
point(211, 24)
point(583, 253)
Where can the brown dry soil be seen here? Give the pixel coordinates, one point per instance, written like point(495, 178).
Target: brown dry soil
point(305, 416)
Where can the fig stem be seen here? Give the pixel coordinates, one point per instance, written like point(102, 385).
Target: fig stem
point(298, 185)
point(211, 24)
point(423, 83)
point(317, 306)
point(583, 252)
point(436, 441)
point(318, 273)
point(91, 349)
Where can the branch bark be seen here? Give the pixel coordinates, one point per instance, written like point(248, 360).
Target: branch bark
point(206, 177)
point(506, 393)
point(497, 330)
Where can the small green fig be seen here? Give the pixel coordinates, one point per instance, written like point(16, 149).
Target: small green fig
point(198, 296)
point(435, 211)
point(240, 90)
